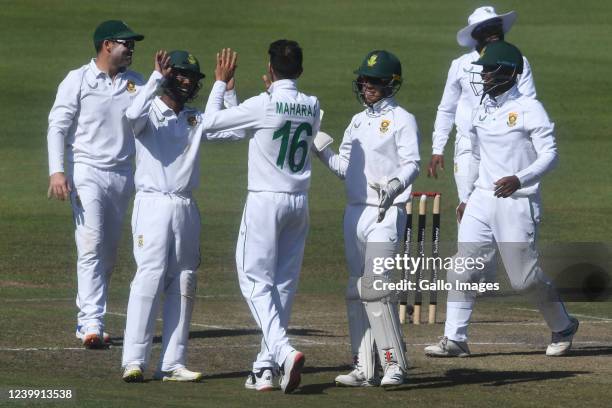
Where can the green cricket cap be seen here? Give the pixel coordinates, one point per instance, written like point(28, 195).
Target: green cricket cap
point(381, 64)
point(501, 53)
point(184, 61)
point(114, 30)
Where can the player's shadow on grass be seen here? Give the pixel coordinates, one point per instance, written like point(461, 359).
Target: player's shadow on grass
point(575, 352)
point(309, 389)
point(486, 378)
point(216, 333)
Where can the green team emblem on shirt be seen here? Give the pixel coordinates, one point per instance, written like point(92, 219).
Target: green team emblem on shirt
point(131, 86)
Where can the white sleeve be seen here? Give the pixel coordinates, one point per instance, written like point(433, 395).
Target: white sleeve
point(541, 131)
point(62, 117)
point(445, 117)
point(230, 98)
point(474, 162)
point(525, 82)
point(407, 141)
point(338, 163)
point(249, 114)
point(138, 112)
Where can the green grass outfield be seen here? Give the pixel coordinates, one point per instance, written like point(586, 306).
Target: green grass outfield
point(566, 43)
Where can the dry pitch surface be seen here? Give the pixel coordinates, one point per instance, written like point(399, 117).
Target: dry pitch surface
point(508, 365)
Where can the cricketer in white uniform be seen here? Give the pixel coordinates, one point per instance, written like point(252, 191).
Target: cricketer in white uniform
point(166, 220)
point(270, 248)
point(459, 100)
point(513, 147)
point(88, 130)
point(378, 159)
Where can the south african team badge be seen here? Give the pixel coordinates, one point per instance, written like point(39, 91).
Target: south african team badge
point(140, 241)
point(512, 117)
point(192, 120)
point(131, 86)
point(384, 125)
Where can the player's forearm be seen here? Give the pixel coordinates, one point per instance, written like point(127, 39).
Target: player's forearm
point(442, 127)
point(408, 173)
point(334, 162)
point(55, 148)
point(230, 98)
point(138, 112)
point(536, 170)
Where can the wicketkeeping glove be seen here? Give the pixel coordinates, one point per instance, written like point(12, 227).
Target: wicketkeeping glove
point(321, 141)
point(386, 196)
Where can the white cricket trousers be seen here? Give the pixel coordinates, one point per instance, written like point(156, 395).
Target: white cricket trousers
point(269, 257)
point(166, 233)
point(99, 201)
point(364, 240)
point(508, 225)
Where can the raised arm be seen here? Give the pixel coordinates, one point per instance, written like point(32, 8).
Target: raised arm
point(138, 112)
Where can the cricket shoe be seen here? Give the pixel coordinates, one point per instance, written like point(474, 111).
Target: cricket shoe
point(394, 375)
point(263, 380)
point(181, 374)
point(291, 371)
point(133, 374)
point(448, 348)
point(561, 342)
point(91, 339)
point(356, 378)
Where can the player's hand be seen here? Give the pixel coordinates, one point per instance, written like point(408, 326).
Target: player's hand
point(386, 196)
point(58, 187)
point(459, 211)
point(506, 186)
point(226, 65)
point(162, 63)
point(436, 160)
point(267, 82)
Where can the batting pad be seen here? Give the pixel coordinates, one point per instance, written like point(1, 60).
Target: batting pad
point(362, 342)
point(384, 323)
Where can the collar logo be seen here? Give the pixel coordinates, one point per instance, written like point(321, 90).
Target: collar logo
point(372, 60)
point(192, 120)
point(131, 86)
point(191, 59)
point(512, 117)
point(384, 125)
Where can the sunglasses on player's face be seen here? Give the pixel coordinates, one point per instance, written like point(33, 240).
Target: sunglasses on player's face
point(129, 44)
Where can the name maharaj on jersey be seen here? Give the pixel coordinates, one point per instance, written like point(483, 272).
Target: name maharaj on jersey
point(294, 109)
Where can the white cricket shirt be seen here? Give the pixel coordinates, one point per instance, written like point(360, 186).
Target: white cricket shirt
point(380, 143)
point(283, 122)
point(168, 145)
point(87, 120)
point(511, 135)
point(458, 100)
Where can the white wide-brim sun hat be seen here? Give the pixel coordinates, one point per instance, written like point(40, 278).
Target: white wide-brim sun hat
point(480, 15)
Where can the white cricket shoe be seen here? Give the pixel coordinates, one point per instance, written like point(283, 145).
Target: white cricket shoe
point(133, 373)
point(561, 342)
point(263, 380)
point(448, 348)
point(394, 375)
point(291, 371)
point(92, 338)
point(356, 378)
point(181, 374)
